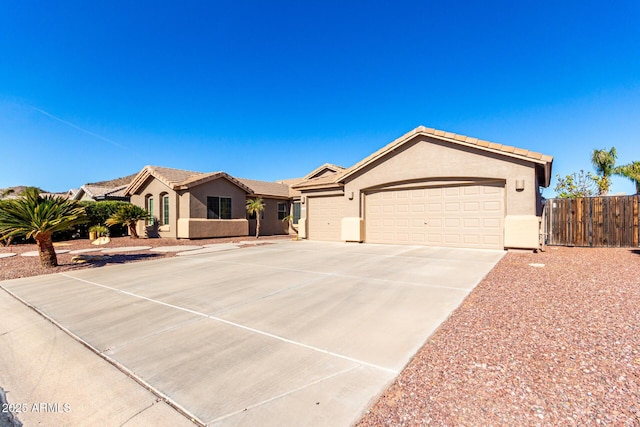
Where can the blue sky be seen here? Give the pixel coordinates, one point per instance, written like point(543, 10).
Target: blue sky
point(91, 91)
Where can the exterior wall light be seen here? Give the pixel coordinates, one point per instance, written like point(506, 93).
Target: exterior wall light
point(519, 184)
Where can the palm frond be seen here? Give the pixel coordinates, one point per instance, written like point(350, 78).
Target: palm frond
point(32, 214)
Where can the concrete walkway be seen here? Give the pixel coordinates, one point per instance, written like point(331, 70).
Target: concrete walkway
point(299, 333)
point(57, 381)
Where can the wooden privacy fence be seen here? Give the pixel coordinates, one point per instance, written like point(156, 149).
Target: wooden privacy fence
point(610, 221)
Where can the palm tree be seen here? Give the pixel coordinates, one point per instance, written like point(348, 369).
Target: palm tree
point(129, 215)
point(256, 206)
point(604, 162)
point(631, 171)
point(39, 217)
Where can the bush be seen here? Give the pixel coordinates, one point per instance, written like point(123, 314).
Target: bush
point(97, 213)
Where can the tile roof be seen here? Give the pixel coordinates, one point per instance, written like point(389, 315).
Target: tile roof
point(265, 188)
point(289, 183)
point(98, 190)
point(321, 181)
point(178, 179)
point(317, 178)
point(327, 166)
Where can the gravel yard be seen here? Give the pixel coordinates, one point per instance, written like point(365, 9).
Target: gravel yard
point(19, 266)
point(553, 345)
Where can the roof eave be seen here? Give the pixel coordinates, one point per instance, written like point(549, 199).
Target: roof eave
point(443, 136)
point(326, 186)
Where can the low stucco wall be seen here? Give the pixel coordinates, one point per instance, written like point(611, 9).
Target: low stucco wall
point(522, 232)
point(207, 228)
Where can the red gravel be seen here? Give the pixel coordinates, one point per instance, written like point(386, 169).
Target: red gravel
point(19, 266)
point(556, 345)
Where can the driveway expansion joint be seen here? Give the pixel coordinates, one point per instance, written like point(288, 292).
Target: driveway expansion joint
point(237, 325)
point(132, 375)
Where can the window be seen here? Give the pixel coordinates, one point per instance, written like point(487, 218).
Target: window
point(149, 204)
point(165, 209)
point(296, 212)
point(283, 208)
point(218, 207)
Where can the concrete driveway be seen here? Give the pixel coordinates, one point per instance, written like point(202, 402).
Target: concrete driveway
point(293, 333)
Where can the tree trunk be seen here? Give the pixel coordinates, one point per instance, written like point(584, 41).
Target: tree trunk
point(46, 250)
point(133, 233)
point(258, 224)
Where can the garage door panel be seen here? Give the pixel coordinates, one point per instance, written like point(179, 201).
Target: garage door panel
point(471, 191)
point(471, 239)
point(472, 206)
point(452, 191)
point(452, 223)
point(472, 222)
point(462, 216)
point(324, 215)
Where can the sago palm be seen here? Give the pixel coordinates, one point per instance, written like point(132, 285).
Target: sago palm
point(32, 215)
point(604, 162)
point(256, 206)
point(129, 215)
point(631, 171)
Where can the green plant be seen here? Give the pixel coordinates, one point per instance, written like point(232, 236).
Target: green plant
point(128, 215)
point(256, 207)
point(32, 215)
point(99, 212)
point(289, 220)
point(630, 171)
point(576, 185)
point(100, 230)
point(604, 162)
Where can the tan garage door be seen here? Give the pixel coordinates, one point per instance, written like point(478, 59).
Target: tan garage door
point(459, 216)
point(324, 215)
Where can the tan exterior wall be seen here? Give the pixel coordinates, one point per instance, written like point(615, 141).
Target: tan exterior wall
point(207, 228)
point(426, 159)
point(188, 205)
point(431, 162)
point(156, 188)
point(221, 188)
point(270, 225)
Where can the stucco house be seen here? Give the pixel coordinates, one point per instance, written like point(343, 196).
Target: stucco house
point(192, 205)
point(430, 187)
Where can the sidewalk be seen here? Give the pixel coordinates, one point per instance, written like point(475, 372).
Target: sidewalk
point(51, 379)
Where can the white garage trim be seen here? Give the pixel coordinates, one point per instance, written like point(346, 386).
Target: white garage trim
point(468, 216)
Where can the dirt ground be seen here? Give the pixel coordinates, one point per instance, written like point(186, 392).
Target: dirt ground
point(549, 339)
point(20, 266)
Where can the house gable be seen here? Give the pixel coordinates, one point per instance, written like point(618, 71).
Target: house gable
point(543, 162)
point(327, 169)
point(178, 179)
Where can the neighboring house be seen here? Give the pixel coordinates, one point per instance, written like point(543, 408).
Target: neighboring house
point(90, 192)
point(187, 204)
point(103, 190)
point(430, 187)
